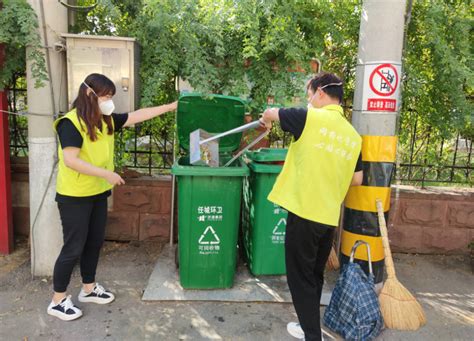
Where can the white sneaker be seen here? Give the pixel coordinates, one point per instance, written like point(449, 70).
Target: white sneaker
point(65, 310)
point(295, 330)
point(98, 295)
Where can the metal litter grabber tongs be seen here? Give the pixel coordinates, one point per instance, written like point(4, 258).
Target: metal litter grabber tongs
point(204, 146)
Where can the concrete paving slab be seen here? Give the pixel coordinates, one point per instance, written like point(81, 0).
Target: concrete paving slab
point(442, 284)
point(163, 285)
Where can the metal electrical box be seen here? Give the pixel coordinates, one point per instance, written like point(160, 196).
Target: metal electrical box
point(114, 57)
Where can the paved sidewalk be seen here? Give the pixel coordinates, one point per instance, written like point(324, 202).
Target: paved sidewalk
point(444, 285)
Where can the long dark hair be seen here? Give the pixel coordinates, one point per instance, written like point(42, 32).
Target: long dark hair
point(87, 106)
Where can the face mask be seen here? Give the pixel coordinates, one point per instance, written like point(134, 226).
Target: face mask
point(310, 105)
point(106, 107)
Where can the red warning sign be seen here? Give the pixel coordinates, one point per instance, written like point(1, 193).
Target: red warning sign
point(382, 104)
point(381, 90)
point(383, 80)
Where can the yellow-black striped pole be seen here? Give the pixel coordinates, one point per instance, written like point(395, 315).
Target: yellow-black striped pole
point(374, 115)
point(360, 212)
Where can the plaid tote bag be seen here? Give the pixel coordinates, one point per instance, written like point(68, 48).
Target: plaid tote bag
point(354, 310)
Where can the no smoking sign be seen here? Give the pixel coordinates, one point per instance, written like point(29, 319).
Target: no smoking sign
point(381, 87)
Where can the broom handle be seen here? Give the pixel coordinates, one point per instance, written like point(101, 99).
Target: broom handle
point(386, 245)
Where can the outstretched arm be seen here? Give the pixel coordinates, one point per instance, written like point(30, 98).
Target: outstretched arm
point(144, 114)
point(270, 115)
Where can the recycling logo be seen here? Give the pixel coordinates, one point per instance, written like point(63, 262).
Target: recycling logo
point(209, 237)
point(280, 227)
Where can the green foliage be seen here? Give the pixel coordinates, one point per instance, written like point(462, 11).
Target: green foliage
point(246, 48)
point(437, 89)
point(439, 77)
point(18, 31)
point(109, 17)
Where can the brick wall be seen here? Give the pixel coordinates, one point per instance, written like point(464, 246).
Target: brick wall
point(435, 220)
point(140, 210)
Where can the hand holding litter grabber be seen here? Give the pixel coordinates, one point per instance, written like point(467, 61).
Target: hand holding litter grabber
point(204, 146)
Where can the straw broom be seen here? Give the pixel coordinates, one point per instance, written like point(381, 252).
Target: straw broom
point(333, 260)
point(400, 310)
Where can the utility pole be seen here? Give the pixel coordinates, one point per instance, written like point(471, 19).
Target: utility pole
point(6, 220)
point(47, 101)
point(375, 114)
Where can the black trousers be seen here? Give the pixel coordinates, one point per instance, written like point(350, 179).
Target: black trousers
point(307, 248)
point(83, 234)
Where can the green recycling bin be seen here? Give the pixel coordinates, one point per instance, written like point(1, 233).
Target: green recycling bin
point(263, 222)
point(209, 199)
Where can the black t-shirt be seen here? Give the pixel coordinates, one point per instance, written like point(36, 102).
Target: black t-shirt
point(293, 120)
point(69, 136)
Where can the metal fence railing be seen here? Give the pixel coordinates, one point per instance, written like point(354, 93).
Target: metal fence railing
point(144, 152)
point(422, 162)
point(423, 158)
point(16, 98)
point(446, 161)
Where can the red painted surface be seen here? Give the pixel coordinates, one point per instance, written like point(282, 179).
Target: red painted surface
point(6, 222)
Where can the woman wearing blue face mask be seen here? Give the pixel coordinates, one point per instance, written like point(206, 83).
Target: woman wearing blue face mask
point(85, 179)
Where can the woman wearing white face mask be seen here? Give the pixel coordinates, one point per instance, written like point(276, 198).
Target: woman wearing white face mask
point(85, 177)
point(323, 160)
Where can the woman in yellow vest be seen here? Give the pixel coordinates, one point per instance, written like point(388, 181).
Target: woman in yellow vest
point(85, 179)
point(323, 161)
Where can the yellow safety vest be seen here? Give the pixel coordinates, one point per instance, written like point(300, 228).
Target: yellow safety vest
point(319, 167)
point(99, 153)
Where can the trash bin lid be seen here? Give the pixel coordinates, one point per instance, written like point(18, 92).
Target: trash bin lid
point(268, 154)
point(214, 114)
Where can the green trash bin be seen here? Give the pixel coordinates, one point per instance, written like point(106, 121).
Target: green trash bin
point(209, 199)
point(263, 222)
